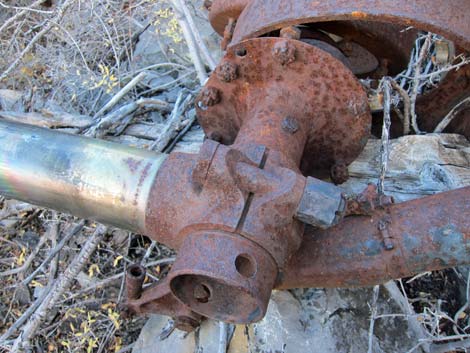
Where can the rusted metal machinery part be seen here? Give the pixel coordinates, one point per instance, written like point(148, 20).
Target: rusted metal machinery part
point(447, 18)
point(288, 96)
point(82, 176)
point(435, 105)
point(231, 217)
point(427, 234)
point(221, 11)
point(232, 213)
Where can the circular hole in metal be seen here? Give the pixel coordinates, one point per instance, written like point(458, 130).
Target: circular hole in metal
point(241, 52)
point(245, 265)
point(202, 293)
point(136, 271)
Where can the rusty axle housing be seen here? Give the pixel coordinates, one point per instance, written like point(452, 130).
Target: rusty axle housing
point(255, 210)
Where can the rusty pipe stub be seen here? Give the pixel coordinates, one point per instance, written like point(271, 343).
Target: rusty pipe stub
point(224, 277)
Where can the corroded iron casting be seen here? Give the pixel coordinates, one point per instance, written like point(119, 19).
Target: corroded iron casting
point(255, 210)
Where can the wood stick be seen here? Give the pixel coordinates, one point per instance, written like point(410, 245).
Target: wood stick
point(55, 251)
point(59, 14)
point(465, 103)
point(118, 96)
point(59, 287)
point(190, 41)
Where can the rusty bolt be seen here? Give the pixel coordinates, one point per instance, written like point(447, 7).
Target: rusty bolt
point(227, 71)
point(339, 173)
point(291, 32)
point(290, 125)
point(210, 96)
point(284, 52)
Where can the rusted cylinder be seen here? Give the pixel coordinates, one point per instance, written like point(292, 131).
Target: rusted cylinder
point(427, 234)
point(135, 277)
point(89, 178)
point(223, 276)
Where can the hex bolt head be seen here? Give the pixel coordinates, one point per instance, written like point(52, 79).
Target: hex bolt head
point(284, 52)
point(291, 32)
point(339, 173)
point(210, 96)
point(290, 125)
point(227, 71)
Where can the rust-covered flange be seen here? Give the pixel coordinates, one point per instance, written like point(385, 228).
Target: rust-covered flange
point(292, 98)
point(447, 18)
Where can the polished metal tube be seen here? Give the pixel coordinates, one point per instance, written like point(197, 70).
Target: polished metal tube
point(85, 177)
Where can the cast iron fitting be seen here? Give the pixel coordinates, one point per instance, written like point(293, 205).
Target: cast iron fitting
point(224, 277)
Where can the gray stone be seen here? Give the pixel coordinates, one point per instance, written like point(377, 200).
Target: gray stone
point(11, 100)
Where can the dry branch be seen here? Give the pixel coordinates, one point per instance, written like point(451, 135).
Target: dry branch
point(57, 290)
point(59, 13)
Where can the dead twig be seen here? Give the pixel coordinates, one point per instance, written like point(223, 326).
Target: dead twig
point(416, 82)
point(405, 306)
point(64, 282)
point(197, 36)
point(190, 41)
point(385, 148)
point(59, 13)
point(464, 104)
point(373, 314)
point(173, 121)
point(118, 96)
point(54, 252)
point(406, 106)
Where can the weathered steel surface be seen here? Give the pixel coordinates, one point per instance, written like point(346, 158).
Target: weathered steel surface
point(280, 78)
point(224, 276)
point(427, 234)
point(222, 10)
point(322, 204)
point(86, 177)
point(448, 18)
point(435, 105)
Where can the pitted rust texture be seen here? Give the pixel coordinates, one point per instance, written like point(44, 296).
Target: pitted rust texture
point(226, 190)
point(427, 234)
point(333, 116)
point(435, 105)
point(227, 277)
point(447, 18)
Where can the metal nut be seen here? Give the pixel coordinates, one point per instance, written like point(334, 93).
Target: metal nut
point(321, 205)
point(284, 52)
point(210, 96)
point(290, 125)
point(339, 173)
point(291, 32)
point(227, 71)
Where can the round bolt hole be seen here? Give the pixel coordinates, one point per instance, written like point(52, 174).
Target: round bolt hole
point(202, 293)
point(245, 265)
point(241, 52)
point(136, 271)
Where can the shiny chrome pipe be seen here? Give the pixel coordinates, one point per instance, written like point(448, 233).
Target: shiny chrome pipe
point(86, 177)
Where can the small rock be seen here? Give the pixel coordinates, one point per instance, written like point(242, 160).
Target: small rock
point(11, 100)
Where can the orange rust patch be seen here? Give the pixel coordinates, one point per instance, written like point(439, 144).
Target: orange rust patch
point(359, 14)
